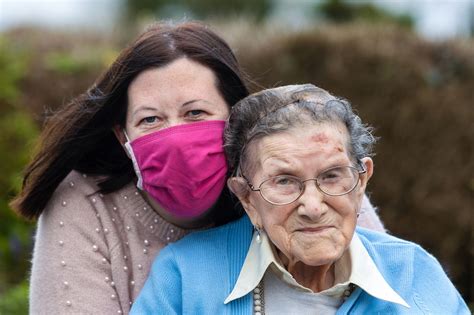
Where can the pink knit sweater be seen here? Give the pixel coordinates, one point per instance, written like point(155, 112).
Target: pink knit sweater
point(93, 252)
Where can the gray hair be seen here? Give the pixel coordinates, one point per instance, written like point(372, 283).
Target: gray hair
point(279, 109)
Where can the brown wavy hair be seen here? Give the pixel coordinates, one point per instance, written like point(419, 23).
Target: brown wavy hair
point(79, 135)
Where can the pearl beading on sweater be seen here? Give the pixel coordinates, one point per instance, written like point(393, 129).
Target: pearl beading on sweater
point(170, 235)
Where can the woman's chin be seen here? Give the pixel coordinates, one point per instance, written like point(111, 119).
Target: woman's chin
point(320, 254)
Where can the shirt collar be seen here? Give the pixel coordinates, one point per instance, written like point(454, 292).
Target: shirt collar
point(355, 266)
point(259, 258)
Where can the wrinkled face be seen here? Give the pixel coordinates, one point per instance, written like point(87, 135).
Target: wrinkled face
point(181, 92)
point(315, 229)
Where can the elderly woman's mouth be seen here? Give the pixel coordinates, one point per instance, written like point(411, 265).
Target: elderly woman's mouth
point(316, 229)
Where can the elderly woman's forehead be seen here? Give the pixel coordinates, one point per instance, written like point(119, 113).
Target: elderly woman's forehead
point(323, 132)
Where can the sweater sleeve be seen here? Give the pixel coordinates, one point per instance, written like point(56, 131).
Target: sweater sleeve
point(162, 292)
point(71, 265)
point(368, 217)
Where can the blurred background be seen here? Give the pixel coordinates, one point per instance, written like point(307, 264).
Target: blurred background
point(407, 66)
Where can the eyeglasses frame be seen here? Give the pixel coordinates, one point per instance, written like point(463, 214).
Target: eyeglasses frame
point(360, 172)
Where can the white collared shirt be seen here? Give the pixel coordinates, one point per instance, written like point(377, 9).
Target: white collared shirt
point(355, 266)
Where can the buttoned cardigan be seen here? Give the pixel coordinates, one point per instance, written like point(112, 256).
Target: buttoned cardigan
point(197, 273)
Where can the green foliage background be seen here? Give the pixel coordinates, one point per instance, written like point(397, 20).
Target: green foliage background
point(17, 132)
point(417, 94)
point(32, 84)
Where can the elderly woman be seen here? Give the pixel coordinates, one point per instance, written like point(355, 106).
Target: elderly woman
point(301, 162)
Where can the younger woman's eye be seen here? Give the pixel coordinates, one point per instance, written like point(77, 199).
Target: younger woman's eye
point(195, 112)
point(149, 119)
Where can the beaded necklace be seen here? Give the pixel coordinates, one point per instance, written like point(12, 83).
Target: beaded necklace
point(259, 297)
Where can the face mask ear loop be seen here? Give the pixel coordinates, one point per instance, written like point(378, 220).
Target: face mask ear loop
point(128, 146)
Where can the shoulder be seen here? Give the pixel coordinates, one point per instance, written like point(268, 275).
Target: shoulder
point(73, 196)
point(75, 212)
point(76, 187)
point(214, 240)
point(385, 246)
point(211, 258)
point(77, 183)
point(388, 249)
point(379, 238)
point(209, 235)
point(208, 249)
point(399, 259)
point(412, 272)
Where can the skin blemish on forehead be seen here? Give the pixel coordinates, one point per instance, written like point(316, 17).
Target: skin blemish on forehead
point(320, 138)
point(342, 131)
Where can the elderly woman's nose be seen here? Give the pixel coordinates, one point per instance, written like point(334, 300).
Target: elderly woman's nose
point(311, 201)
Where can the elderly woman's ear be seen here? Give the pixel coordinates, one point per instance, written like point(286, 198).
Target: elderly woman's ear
point(239, 187)
point(368, 165)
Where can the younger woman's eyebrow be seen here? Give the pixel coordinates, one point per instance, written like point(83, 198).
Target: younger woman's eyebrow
point(194, 101)
point(190, 102)
point(142, 108)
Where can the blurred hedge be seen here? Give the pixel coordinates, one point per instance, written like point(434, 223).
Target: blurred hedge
point(39, 72)
point(17, 132)
point(417, 94)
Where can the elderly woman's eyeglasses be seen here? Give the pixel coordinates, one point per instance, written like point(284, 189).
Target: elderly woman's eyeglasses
point(285, 189)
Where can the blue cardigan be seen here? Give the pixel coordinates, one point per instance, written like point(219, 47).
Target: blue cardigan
point(197, 273)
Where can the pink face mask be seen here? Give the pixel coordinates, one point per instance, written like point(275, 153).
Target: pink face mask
point(182, 167)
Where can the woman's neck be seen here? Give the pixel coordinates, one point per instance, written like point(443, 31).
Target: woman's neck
point(316, 278)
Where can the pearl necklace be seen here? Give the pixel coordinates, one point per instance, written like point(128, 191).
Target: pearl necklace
point(259, 297)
